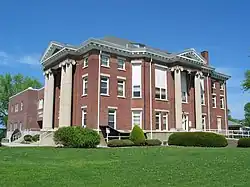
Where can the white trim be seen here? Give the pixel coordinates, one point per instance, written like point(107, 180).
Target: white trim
point(136, 109)
point(115, 110)
point(140, 111)
point(105, 75)
point(122, 78)
point(124, 63)
point(161, 110)
point(123, 87)
point(84, 106)
point(159, 116)
point(225, 106)
point(84, 81)
point(85, 75)
point(161, 66)
point(204, 114)
point(30, 88)
point(50, 45)
point(105, 94)
point(99, 91)
point(108, 62)
point(136, 61)
point(219, 116)
point(208, 104)
point(84, 61)
point(150, 95)
point(113, 107)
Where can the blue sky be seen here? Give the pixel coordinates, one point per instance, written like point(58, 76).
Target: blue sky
point(219, 26)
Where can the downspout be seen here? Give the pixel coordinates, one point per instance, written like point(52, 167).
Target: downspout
point(98, 92)
point(150, 95)
point(225, 103)
point(208, 104)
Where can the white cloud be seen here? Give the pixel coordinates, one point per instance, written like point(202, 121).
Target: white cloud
point(10, 59)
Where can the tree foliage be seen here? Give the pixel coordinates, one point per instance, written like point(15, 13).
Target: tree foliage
point(247, 114)
point(11, 85)
point(246, 82)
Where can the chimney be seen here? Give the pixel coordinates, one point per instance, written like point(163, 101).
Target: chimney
point(205, 55)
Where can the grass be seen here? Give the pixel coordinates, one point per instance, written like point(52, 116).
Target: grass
point(153, 166)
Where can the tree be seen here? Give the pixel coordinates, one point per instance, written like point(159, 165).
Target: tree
point(11, 85)
point(247, 114)
point(246, 83)
point(230, 118)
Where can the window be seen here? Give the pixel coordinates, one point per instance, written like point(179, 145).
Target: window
point(222, 103)
point(164, 121)
point(40, 104)
point(202, 92)
point(12, 108)
point(214, 101)
point(136, 80)
point(203, 121)
point(221, 86)
point(85, 62)
point(185, 122)
point(184, 95)
point(104, 85)
point(137, 118)
point(21, 107)
point(219, 123)
point(121, 64)
point(213, 85)
point(160, 83)
point(105, 60)
point(84, 117)
point(16, 108)
point(121, 88)
point(85, 86)
point(158, 121)
point(112, 118)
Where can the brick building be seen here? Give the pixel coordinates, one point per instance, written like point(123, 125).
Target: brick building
point(116, 83)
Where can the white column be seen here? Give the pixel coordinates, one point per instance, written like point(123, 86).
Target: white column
point(198, 107)
point(48, 100)
point(178, 99)
point(66, 93)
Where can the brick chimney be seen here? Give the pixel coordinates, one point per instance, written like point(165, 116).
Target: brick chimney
point(205, 55)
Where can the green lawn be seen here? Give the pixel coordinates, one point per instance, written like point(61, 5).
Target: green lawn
point(154, 166)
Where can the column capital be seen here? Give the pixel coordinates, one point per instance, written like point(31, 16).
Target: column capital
point(47, 72)
point(67, 62)
point(199, 74)
point(177, 68)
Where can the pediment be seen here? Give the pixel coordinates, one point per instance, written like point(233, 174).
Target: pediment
point(191, 54)
point(52, 49)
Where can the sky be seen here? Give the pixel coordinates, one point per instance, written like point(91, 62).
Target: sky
point(219, 26)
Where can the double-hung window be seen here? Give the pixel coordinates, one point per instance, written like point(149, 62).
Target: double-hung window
point(136, 80)
point(121, 64)
point(112, 118)
point(137, 118)
point(184, 94)
point(105, 60)
point(104, 85)
point(202, 92)
point(214, 101)
point(85, 85)
point(222, 106)
point(85, 62)
point(120, 88)
point(157, 120)
point(84, 117)
point(160, 83)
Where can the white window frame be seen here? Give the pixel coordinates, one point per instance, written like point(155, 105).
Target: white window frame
point(114, 114)
point(124, 63)
point(84, 112)
point(108, 60)
point(185, 119)
point(203, 100)
point(222, 86)
point(84, 83)
point(133, 90)
point(184, 97)
point(157, 66)
point(139, 113)
point(107, 77)
point(21, 106)
point(16, 107)
point(40, 104)
point(213, 85)
point(219, 125)
point(165, 115)
point(222, 102)
point(214, 101)
point(139, 63)
point(203, 119)
point(85, 62)
point(158, 115)
point(123, 84)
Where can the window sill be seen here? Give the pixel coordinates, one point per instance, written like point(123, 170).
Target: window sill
point(184, 102)
point(136, 97)
point(121, 69)
point(106, 95)
point(105, 66)
point(222, 108)
point(84, 95)
point(157, 99)
point(84, 67)
point(122, 97)
point(214, 107)
point(203, 104)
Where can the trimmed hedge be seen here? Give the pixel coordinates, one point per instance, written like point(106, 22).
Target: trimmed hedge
point(77, 137)
point(153, 142)
point(137, 136)
point(27, 138)
point(120, 143)
point(244, 142)
point(198, 139)
point(36, 138)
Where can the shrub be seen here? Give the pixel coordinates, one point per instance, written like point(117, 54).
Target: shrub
point(77, 137)
point(244, 142)
point(36, 137)
point(137, 136)
point(27, 138)
point(199, 139)
point(153, 142)
point(120, 143)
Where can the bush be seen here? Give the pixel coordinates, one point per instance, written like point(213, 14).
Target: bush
point(77, 137)
point(199, 139)
point(244, 142)
point(36, 138)
point(120, 143)
point(27, 138)
point(137, 136)
point(153, 142)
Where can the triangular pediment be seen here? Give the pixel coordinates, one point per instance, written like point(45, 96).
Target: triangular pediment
point(191, 54)
point(52, 49)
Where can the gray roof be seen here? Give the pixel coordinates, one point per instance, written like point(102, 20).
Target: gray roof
point(232, 123)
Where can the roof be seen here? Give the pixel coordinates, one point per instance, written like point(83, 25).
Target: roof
point(128, 48)
point(232, 123)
